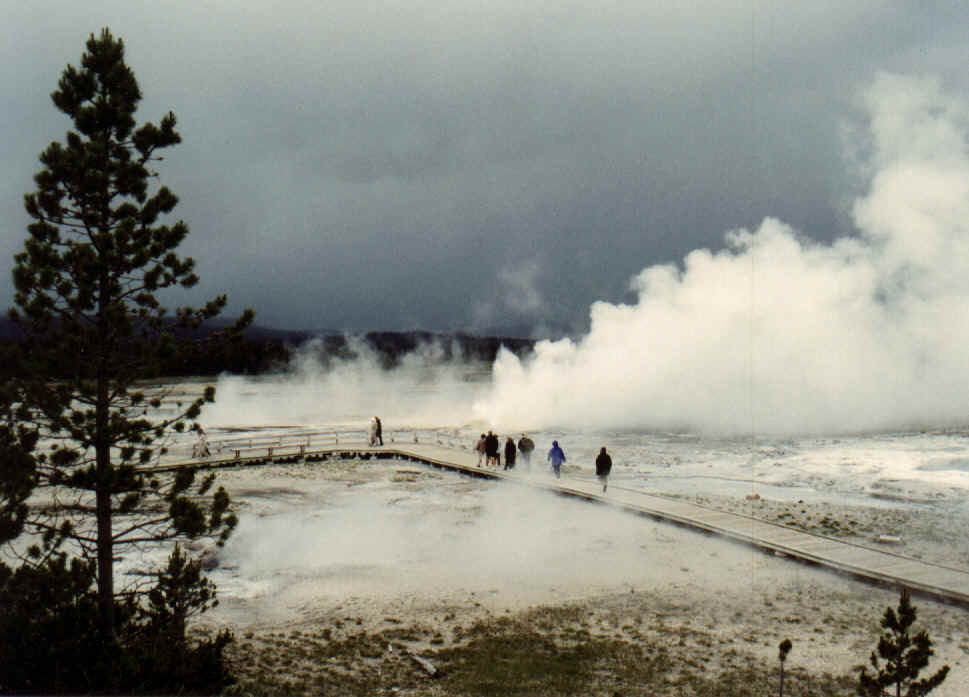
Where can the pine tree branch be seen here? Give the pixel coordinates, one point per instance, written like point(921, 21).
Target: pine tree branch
point(44, 527)
point(118, 538)
point(153, 538)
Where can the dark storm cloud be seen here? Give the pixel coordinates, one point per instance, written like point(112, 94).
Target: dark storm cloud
point(447, 165)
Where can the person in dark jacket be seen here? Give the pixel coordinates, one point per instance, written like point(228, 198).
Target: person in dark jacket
point(603, 468)
point(525, 446)
point(481, 448)
point(510, 453)
point(556, 456)
point(491, 449)
point(380, 431)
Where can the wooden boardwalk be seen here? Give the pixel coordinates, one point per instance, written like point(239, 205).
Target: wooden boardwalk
point(942, 582)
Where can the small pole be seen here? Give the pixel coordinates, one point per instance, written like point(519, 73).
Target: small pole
point(783, 649)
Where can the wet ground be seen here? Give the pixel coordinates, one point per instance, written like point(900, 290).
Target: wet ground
point(341, 572)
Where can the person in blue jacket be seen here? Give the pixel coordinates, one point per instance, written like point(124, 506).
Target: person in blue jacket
point(556, 456)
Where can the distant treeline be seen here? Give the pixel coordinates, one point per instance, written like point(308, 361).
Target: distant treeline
point(265, 350)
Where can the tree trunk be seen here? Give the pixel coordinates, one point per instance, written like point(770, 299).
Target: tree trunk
point(105, 546)
point(102, 450)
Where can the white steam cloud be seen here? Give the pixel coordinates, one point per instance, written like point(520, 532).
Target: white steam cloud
point(777, 333)
point(425, 390)
point(381, 540)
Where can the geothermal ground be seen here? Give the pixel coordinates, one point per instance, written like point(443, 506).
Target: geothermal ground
point(365, 577)
point(340, 573)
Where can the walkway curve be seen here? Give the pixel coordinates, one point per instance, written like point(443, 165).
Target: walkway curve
point(938, 581)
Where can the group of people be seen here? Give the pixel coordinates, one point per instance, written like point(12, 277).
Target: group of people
point(489, 452)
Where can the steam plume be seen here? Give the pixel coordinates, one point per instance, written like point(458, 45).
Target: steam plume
point(781, 334)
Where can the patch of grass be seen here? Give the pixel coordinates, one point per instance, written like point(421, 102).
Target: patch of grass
point(512, 656)
point(545, 651)
point(516, 661)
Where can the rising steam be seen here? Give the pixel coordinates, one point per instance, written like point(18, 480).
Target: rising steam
point(774, 334)
point(778, 333)
point(425, 390)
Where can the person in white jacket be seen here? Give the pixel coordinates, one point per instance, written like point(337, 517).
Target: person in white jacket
point(373, 432)
point(201, 447)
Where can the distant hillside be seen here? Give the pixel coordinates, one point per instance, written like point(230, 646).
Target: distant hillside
point(267, 349)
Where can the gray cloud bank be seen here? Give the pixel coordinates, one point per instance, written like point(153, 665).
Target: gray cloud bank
point(446, 165)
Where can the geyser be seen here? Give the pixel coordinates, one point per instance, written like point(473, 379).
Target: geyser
point(779, 334)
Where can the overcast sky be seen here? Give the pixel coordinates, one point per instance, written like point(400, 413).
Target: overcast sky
point(472, 165)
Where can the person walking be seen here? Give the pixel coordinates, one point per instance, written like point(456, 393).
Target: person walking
point(603, 468)
point(556, 456)
point(525, 446)
point(380, 431)
point(491, 449)
point(510, 453)
point(480, 448)
point(201, 447)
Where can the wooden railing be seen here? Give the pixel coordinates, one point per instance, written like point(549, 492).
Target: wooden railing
point(296, 444)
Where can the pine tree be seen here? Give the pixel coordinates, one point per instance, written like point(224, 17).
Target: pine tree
point(900, 657)
point(88, 286)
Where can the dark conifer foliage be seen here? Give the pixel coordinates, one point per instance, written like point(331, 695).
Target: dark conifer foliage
point(900, 657)
point(88, 286)
point(18, 471)
point(50, 641)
